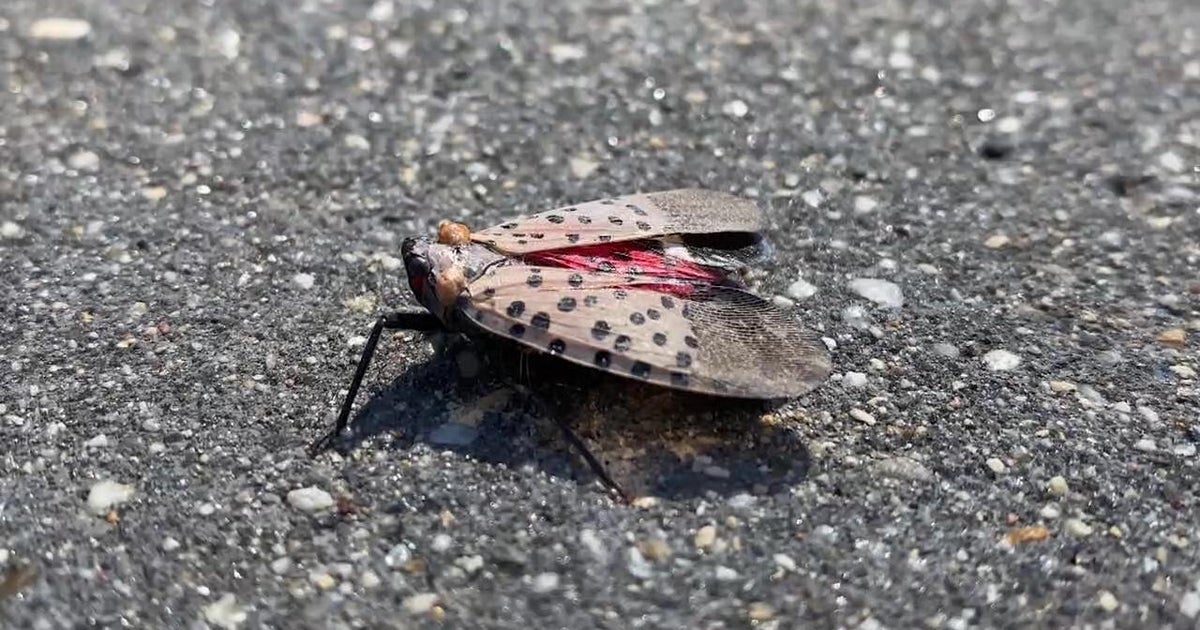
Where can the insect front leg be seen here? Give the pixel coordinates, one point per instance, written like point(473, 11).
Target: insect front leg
point(412, 319)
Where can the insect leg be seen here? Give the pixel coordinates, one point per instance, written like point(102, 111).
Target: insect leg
point(400, 320)
point(591, 460)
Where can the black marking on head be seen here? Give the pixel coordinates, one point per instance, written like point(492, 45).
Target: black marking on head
point(637, 318)
point(558, 346)
point(555, 218)
point(515, 308)
point(640, 369)
point(668, 302)
point(616, 220)
point(660, 339)
point(518, 234)
point(571, 209)
point(601, 330)
point(622, 256)
point(572, 238)
point(636, 210)
point(608, 202)
point(585, 219)
point(622, 343)
point(522, 241)
point(606, 266)
point(683, 359)
point(679, 379)
point(536, 235)
point(687, 311)
point(642, 225)
point(516, 330)
point(637, 271)
point(489, 292)
point(566, 304)
point(541, 319)
point(509, 226)
point(653, 313)
point(534, 280)
point(620, 294)
point(575, 280)
point(590, 300)
point(604, 238)
point(691, 342)
point(603, 358)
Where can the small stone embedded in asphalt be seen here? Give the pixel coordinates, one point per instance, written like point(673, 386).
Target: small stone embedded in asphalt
point(1001, 360)
point(106, 495)
point(735, 109)
point(882, 292)
point(800, 290)
point(1057, 486)
point(60, 29)
point(1078, 528)
point(705, 537)
point(862, 416)
point(310, 499)
point(225, 613)
point(854, 380)
point(420, 603)
point(304, 280)
point(545, 583)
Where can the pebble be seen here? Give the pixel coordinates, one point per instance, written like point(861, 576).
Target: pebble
point(304, 280)
point(1050, 512)
point(903, 468)
point(1001, 360)
point(84, 161)
point(594, 546)
point(470, 564)
point(1058, 486)
point(760, 611)
point(562, 53)
point(1146, 445)
point(637, 565)
point(310, 499)
point(369, 579)
point(100, 441)
point(441, 543)
point(736, 108)
point(862, 416)
point(865, 205)
point(854, 380)
point(420, 603)
point(306, 119)
point(582, 167)
point(1060, 387)
point(995, 465)
point(705, 537)
point(1078, 528)
point(1184, 449)
point(1183, 371)
point(106, 495)
point(812, 198)
point(545, 583)
point(10, 230)
point(881, 292)
point(784, 562)
point(1172, 162)
point(225, 612)
point(1108, 602)
point(725, 574)
point(996, 241)
point(1189, 604)
point(322, 580)
point(800, 290)
point(357, 142)
point(928, 269)
point(1176, 337)
point(783, 302)
point(60, 29)
point(170, 544)
point(281, 565)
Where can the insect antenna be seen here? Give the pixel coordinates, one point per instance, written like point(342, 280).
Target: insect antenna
point(412, 319)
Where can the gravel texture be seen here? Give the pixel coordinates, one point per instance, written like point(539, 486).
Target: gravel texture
point(990, 210)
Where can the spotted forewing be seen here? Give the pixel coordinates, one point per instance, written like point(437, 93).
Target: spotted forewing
point(597, 285)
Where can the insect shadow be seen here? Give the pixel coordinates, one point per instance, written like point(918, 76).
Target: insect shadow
point(505, 406)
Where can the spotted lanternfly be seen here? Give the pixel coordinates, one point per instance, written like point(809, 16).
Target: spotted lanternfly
point(647, 286)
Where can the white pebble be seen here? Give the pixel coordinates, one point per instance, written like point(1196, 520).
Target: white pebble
point(1189, 604)
point(1184, 449)
point(60, 29)
point(357, 142)
point(1050, 512)
point(800, 290)
point(864, 204)
point(854, 379)
point(170, 544)
point(225, 613)
point(1001, 360)
point(783, 302)
point(310, 499)
point(100, 441)
point(106, 495)
point(995, 465)
point(369, 579)
point(1172, 162)
point(1145, 444)
point(545, 582)
point(9, 229)
point(421, 603)
point(84, 161)
point(736, 108)
point(1078, 528)
point(725, 574)
point(900, 60)
point(862, 416)
point(881, 292)
point(470, 564)
point(785, 562)
point(304, 280)
point(582, 167)
point(813, 198)
point(1058, 486)
point(562, 53)
point(594, 546)
point(1107, 601)
point(442, 543)
point(281, 565)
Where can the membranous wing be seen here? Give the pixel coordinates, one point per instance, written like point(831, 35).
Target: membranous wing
point(702, 338)
point(625, 218)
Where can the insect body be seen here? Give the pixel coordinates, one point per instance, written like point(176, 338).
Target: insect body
point(645, 286)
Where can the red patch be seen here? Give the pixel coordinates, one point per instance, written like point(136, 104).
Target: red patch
point(630, 257)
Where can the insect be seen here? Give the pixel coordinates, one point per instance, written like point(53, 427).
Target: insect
point(646, 286)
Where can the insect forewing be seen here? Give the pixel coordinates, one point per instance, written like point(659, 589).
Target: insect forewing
point(630, 217)
point(715, 340)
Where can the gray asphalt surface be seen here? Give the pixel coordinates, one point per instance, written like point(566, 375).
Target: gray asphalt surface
point(201, 205)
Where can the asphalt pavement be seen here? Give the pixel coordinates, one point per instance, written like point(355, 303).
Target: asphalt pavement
point(989, 210)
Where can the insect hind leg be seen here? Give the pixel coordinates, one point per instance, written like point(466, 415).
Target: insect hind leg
point(412, 319)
